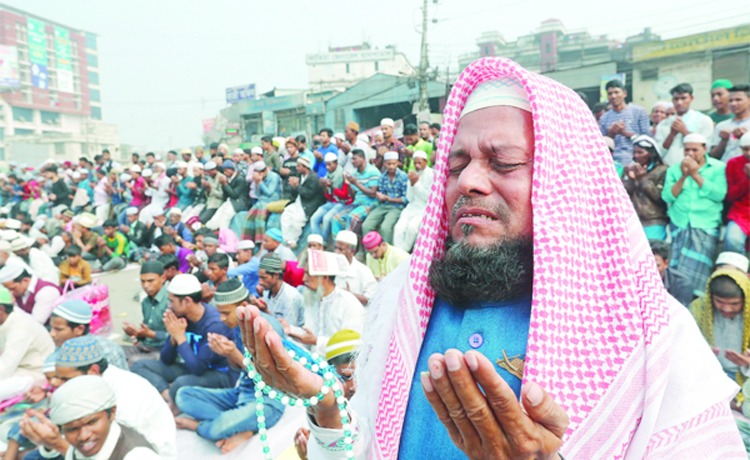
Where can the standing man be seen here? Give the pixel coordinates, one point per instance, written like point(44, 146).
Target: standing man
point(321, 153)
point(738, 199)
point(671, 132)
point(622, 122)
point(389, 144)
point(720, 101)
point(414, 143)
point(694, 191)
point(424, 132)
point(149, 337)
point(392, 197)
point(727, 134)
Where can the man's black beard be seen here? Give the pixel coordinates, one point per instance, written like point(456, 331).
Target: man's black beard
point(468, 274)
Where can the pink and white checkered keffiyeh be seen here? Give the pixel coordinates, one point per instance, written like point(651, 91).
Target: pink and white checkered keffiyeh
point(597, 338)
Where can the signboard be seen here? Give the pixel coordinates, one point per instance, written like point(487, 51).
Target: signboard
point(603, 82)
point(37, 34)
point(240, 93)
point(9, 76)
point(733, 36)
point(232, 132)
point(350, 56)
point(64, 60)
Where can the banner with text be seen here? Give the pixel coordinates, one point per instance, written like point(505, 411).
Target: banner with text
point(37, 35)
point(64, 60)
point(9, 75)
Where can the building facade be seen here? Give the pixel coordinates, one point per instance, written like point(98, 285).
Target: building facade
point(51, 90)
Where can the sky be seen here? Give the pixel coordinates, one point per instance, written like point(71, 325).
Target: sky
point(165, 65)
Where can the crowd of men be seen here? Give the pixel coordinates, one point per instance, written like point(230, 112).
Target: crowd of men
point(304, 233)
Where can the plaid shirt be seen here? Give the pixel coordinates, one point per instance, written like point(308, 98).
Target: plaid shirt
point(395, 188)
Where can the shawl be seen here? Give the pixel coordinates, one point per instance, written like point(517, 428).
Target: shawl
point(599, 339)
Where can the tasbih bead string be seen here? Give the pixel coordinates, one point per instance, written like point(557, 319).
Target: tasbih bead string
point(316, 364)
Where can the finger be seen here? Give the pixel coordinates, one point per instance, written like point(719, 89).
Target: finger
point(544, 410)
point(455, 410)
point(287, 369)
point(440, 410)
point(245, 316)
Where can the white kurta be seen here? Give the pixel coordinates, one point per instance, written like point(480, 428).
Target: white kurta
point(407, 228)
point(24, 345)
point(336, 311)
point(42, 266)
point(695, 121)
point(358, 280)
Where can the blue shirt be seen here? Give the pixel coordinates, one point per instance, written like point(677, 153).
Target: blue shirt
point(636, 121)
point(320, 166)
point(395, 188)
point(369, 178)
point(248, 273)
point(489, 328)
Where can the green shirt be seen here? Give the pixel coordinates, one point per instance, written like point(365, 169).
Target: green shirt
point(422, 145)
point(698, 206)
point(153, 309)
point(716, 118)
point(119, 245)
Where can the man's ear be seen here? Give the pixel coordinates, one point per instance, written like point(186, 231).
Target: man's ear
point(94, 370)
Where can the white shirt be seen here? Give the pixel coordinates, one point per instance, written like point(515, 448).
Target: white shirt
point(418, 194)
point(732, 149)
point(139, 453)
point(42, 266)
point(101, 197)
point(24, 345)
point(695, 121)
point(338, 310)
point(358, 280)
point(282, 252)
point(54, 247)
point(44, 302)
point(139, 405)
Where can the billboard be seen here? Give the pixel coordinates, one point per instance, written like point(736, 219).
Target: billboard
point(64, 60)
point(723, 38)
point(37, 35)
point(240, 93)
point(9, 76)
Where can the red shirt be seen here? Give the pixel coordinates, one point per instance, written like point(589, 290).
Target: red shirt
point(738, 193)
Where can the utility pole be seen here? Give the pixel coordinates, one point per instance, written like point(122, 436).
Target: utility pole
point(423, 65)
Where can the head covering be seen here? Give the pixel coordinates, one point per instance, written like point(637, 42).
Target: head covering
point(694, 138)
point(75, 311)
point(390, 156)
point(230, 292)
point(324, 263)
point(80, 351)
point(147, 173)
point(353, 125)
point(13, 224)
point(210, 240)
point(256, 150)
point(131, 211)
point(330, 156)
point(245, 244)
point(8, 235)
point(10, 272)
point(342, 342)
point(181, 164)
point(348, 237)
point(505, 91)
point(125, 177)
point(372, 240)
point(228, 164)
point(275, 233)
point(21, 242)
point(259, 166)
point(186, 151)
point(184, 284)
point(745, 140)
point(49, 363)
point(387, 122)
point(270, 263)
point(607, 285)
point(420, 154)
point(152, 266)
point(339, 136)
point(135, 168)
point(210, 165)
point(238, 151)
point(610, 143)
point(175, 211)
point(723, 83)
point(5, 246)
point(734, 259)
point(665, 104)
point(315, 238)
point(80, 397)
point(5, 296)
point(304, 162)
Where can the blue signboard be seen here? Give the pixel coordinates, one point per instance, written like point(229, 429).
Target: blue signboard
point(240, 93)
point(39, 76)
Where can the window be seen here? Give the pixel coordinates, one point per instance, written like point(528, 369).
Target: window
point(90, 41)
point(96, 113)
point(23, 114)
point(24, 132)
point(377, 66)
point(59, 148)
point(95, 95)
point(93, 78)
point(92, 60)
point(347, 67)
point(50, 118)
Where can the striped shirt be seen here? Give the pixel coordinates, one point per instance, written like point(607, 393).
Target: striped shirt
point(636, 121)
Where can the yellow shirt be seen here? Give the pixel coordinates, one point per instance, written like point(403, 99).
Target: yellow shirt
point(391, 259)
point(80, 274)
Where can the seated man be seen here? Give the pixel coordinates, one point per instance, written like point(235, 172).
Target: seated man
point(228, 416)
point(309, 198)
point(676, 282)
point(136, 231)
point(85, 409)
point(382, 258)
point(149, 337)
point(272, 244)
point(722, 316)
point(40, 263)
point(71, 319)
point(33, 295)
point(392, 197)
point(188, 322)
point(417, 192)
point(74, 268)
point(247, 265)
point(168, 245)
point(279, 298)
point(358, 279)
point(178, 229)
point(114, 248)
point(336, 192)
point(171, 267)
point(24, 345)
point(216, 272)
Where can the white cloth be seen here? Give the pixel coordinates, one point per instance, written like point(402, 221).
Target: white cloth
point(42, 266)
point(24, 345)
point(101, 197)
point(222, 217)
point(732, 148)
point(11, 387)
point(358, 279)
point(728, 336)
point(287, 304)
point(140, 406)
point(293, 221)
point(44, 302)
point(695, 121)
point(282, 252)
point(338, 310)
point(53, 248)
point(139, 453)
point(407, 228)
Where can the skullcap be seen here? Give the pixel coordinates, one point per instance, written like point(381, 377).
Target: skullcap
point(75, 311)
point(184, 284)
point(372, 240)
point(80, 397)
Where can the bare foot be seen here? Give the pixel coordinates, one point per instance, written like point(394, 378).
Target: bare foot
point(235, 441)
point(184, 423)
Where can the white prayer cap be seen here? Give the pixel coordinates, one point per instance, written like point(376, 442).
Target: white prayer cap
point(245, 244)
point(175, 211)
point(390, 156)
point(315, 238)
point(131, 211)
point(184, 284)
point(88, 220)
point(347, 237)
point(734, 259)
point(80, 397)
point(745, 140)
point(20, 243)
point(330, 156)
point(505, 91)
point(76, 175)
point(5, 246)
point(8, 235)
point(198, 165)
point(420, 154)
point(196, 226)
point(694, 138)
point(147, 173)
point(13, 224)
point(124, 177)
point(238, 151)
point(181, 164)
point(209, 165)
point(157, 212)
point(186, 151)
point(159, 165)
point(259, 166)
point(664, 104)
point(323, 263)
point(84, 171)
point(256, 150)
point(10, 272)
point(135, 168)
point(339, 136)
point(364, 137)
point(387, 122)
